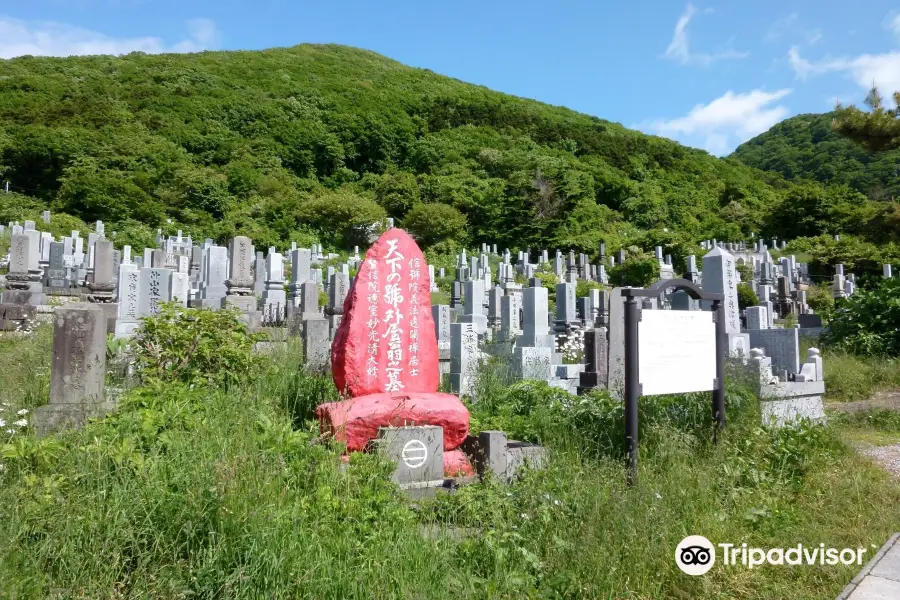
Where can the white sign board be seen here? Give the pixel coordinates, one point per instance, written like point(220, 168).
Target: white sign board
point(676, 351)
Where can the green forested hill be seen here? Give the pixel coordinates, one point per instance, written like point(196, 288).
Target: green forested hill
point(806, 147)
point(307, 142)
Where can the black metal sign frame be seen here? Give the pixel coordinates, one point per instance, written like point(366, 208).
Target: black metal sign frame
point(632, 373)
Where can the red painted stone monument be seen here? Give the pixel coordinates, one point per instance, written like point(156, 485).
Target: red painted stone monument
point(386, 340)
point(385, 354)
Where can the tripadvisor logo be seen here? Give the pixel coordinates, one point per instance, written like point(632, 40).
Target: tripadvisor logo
point(696, 555)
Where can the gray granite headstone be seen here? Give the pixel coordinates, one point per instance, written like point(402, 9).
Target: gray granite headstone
point(77, 370)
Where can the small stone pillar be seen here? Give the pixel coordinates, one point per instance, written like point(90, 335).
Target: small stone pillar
point(103, 283)
point(17, 280)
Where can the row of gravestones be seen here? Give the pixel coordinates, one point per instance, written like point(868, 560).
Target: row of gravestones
point(140, 291)
point(201, 280)
point(79, 347)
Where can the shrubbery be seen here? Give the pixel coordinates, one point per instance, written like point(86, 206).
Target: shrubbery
point(868, 322)
point(746, 296)
point(192, 345)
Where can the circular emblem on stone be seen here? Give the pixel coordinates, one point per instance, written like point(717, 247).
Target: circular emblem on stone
point(414, 454)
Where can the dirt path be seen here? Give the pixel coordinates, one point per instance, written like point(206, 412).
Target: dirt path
point(887, 456)
point(889, 400)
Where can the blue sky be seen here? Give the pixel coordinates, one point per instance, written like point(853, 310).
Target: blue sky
point(709, 75)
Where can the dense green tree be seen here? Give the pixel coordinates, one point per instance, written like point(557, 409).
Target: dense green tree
point(877, 130)
point(342, 218)
point(436, 222)
point(807, 147)
point(320, 142)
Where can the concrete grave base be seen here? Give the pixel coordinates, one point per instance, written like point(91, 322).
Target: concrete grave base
point(788, 402)
point(52, 417)
point(19, 297)
point(492, 453)
point(112, 314)
point(126, 329)
point(14, 316)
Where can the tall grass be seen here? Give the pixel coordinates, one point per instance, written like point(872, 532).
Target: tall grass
point(199, 493)
point(850, 378)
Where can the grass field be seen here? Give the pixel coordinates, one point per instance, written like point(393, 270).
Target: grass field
point(209, 493)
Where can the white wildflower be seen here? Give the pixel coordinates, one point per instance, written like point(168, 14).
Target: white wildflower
point(658, 496)
point(11, 431)
point(2, 423)
point(524, 516)
point(21, 423)
point(22, 412)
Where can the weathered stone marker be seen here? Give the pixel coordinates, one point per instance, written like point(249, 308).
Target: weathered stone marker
point(78, 370)
point(418, 453)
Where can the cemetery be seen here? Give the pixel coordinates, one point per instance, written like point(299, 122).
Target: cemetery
point(404, 356)
point(307, 322)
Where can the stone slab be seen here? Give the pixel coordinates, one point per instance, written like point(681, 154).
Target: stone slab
point(418, 453)
point(52, 417)
point(849, 591)
point(792, 410)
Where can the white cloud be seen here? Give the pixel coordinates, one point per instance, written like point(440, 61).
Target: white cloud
point(882, 70)
point(44, 38)
point(726, 121)
point(892, 23)
point(679, 48)
point(790, 27)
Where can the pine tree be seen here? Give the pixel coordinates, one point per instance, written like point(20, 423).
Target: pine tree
point(877, 130)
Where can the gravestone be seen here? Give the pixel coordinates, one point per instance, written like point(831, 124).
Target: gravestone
point(17, 280)
point(595, 374)
point(274, 297)
point(720, 277)
point(316, 343)
point(386, 340)
point(338, 288)
point(57, 279)
point(301, 261)
point(214, 289)
point(473, 311)
point(309, 301)
point(757, 317)
point(566, 313)
point(781, 345)
point(534, 362)
point(155, 288)
point(103, 282)
point(536, 330)
point(240, 280)
point(440, 314)
point(463, 358)
point(418, 453)
point(510, 326)
point(180, 288)
point(78, 369)
point(129, 297)
point(616, 370)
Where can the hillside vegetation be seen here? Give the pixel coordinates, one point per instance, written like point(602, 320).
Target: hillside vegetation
point(807, 147)
point(313, 142)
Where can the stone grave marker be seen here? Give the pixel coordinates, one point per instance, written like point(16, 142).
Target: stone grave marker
point(78, 368)
point(388, 307)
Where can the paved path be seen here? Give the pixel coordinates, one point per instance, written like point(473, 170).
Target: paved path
point(880, 578)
